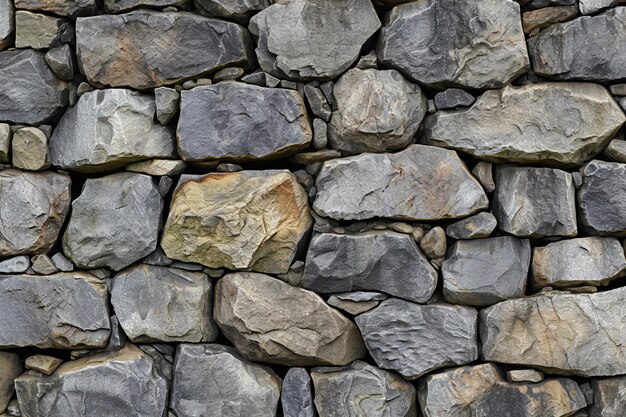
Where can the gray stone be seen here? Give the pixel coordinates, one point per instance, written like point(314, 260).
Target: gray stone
point(238, 121)
point(535, 202)
point(433, 243)
point(356, 302)
point(213, 380)
point(542, 18)
point(62, 263)
point(609, 397)
point(376, 260)
point(618, 89)
point(158, 167)
point(317, 102)
point(15, 265)
point(616, 150)
point(312, 39)
point(414, 339)
point(483, 45)
point(483, 171)
point(39, 31)
point(64, 311)
point(29, 149)
point(320, 134)
point(477, 226)
point(368, 61)
point(262, 79)
point(59, 7)
point(157, 48)
point(121, 6)
point(271, 321)
point(560, 124)
point(375, 111)
point(42, 264)
point(453, 98)
point(297, 394)
point(238, 10)
point(524, 375)
point(228, 74)
point(539, 4)
point(593, 6)
point(7, 23)
point(61, 62)
point(42, 363)
point(10, 368)
point(167, 103)
point(108, 129)
point(117, 340)
point(5, 142)
point(115, 221)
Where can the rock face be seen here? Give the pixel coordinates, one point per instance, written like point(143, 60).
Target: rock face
point(250, 220)
point(115, 384)
point(31, 93)
point(362, 390)
point(539, 331)
point(238, 121)
point(271, 321)
point(483, 46)
point(213, 380)
point(115, 221)
point(312, 39)
point(297, 394)
point(376, 111)
point(59, 7)
point(156, 48)
point(577, 50)
point(414, 339)
point(10, 368)
point(63, 311)
point(376, 260)
point(561, 124)
point(33, 207)
point(398, 186)
point(108, 129)
point(609, 397)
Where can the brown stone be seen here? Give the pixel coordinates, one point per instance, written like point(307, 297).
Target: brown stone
point(42, 363)
point(541, 18)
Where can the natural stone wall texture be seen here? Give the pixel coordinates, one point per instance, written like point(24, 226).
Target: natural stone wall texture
point(312, 208)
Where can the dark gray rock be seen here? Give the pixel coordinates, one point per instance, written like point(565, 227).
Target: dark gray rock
point(59, 7)
point(61, 62)
point(15, 265)
point(7, 23)
point(39, 31)
point(297, 394)
point(167, 101)
point(609, 397)
point(317, 102)
point(453, 98)
point(477, 226)
point(539, 4)
point(433, 244)
point(121, 6)
point(10, 368)
point(237, 10)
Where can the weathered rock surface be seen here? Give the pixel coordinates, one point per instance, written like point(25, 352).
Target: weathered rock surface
point(65, 311)
point(312, 39)
point(541, 18)
point(10, 368)
point(213, 380)
point(121, 6)
point(398, 186)
point(271, 321)
point(158, 167)
point(42, 363)
point(297, 394)
point(114, 222)
point(414, 339)
point(560, 124)
point(238, 121)
point(609, 397)
point(7, 23)
point(59, 7)
point(592, 6)
point(474, 227)
point(251, 220)
point(157, 48)
point(29, 149)
point(483, 45)
point(238, 10)
point(39, 31)
point(5, 142)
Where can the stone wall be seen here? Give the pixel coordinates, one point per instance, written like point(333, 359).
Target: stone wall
point(333, 208)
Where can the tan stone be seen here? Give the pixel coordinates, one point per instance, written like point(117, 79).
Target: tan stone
point(42, 363)
point(541, 18)
point(30, 149)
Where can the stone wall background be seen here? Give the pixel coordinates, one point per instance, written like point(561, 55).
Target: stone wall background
point(312, 207)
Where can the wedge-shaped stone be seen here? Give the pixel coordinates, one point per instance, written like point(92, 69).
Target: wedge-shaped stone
point(419, 183)
point(238, 121)
point(560, 124)
point(59, 7)
point(146, 49)
point(270, 321)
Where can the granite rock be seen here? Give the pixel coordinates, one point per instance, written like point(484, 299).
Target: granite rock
point(477, 226)
point(297, 394)
point(15, 265)
point(10, 368)
point(39, 31)
point(59, 7)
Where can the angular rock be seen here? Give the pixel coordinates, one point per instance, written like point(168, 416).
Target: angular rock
point(43, 265)
point(157, 48)
point(560, 124)
point(39, 31)
point(59, 7)
point(238, 10)
point(616, 150)
point(61, 62)
point(29, 149)
point(238, 121)
point(213, 380)
point(535, 202)
point(158, 167)
point(7, 23)
point(308, 158)
point(251, 220)
point(356, 302)
point(167, 102)
point(592, 6)
point(62, 263)
point(5, 142)
point(524, 375)
point(434, 244)
point(297, 394)
point(376, 260)
point(312, 39)
point(482, 272)
point(121, 6)
point(15, 265)
point(453, 98)
point(42, 363)
point(375, 111)
point(414, 339)
point(317, 102)
point(271, 321)
point(483, 45)
point(483, 171)
point(115, 221)
point(609, 397)
point(542, 18)
point(477, 226)
point(398, 186)
point(10, 368)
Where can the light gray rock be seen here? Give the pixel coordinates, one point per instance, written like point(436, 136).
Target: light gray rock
point(398, 186)
point(62, 263)
point(7, 23)
point(593, 6)
point(61, 62)
point(356, 302)
point(238, 10)
point(167, 102)
point(213, 380)
point(297, 394)
point(382, 260)
point(477, 226)
point(10, 368)
point(29, 149)
point(158, 167)
point(616, 150)
point(609, 397)
point(59, 7)
point(312, 39)
point(238, 121)
point(121, 6)
point(5, 142)
point(452, 98)
point(115, 221)
point(42, 363)
point(482, 272)
point(320, 134)
point(42, 264)
point(524, 375)
point(414, 339)
point(39, 31)
point(15, 265)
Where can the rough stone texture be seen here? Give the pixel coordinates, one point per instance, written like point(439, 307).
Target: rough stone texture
point(317, 102)
point(376, 260)
point(578, 334)
point(114, 222)
point(33, 207)
point(238, 121)
point(113, 384)
point(38, 31)
point(59, 7)
point(154, 303)
point(593, 6)
point(609, 397)
point(477, 226)
point(271, 321)
point(121, 6)
point(61, 62)
point(62, 263)
point(15, 265)
point(362, 390)
point(483, 45)
point(108, 129)
point(453, 98)
point(297, 394)
point(398, 186)
point(312, 39)
point(29, 149)
point(238, 10)
point(251, 220)
point(65, 311)
point(560, 124)
point(482, 272)
point(535, 202)
point(375, 111)
point(414, 339)
point(10, 368)
point(42, 363)
point(213, 380)
point(616, 150)
point(7, 23)
point(167, 101)
point(157, 48)
point(542, 18)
